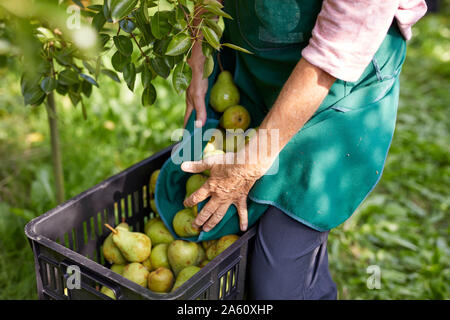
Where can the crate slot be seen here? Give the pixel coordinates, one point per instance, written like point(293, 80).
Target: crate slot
point(99, 224)
point(130, 205)
point(85, 232)
point(143, 195)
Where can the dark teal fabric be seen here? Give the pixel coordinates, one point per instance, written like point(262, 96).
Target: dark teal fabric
point(336, 159)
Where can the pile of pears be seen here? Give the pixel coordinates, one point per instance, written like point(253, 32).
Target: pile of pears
point(224, 99)
point(153, 258)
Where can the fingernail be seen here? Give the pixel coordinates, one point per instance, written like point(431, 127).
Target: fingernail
point(244, 227)
point(206, 229)
point(198, 123)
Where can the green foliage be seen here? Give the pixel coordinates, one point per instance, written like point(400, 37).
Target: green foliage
point(156, 35)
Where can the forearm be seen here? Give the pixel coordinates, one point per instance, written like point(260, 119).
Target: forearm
point(299, 98)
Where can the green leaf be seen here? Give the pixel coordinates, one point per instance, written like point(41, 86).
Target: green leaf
point(160, 25)
point(160, 46)
point(208, 67)
point(214, 3)
point(211, 37)
point(207, 50)
point(104, 38)
point(235, 47)
point(214, 26)
point(144, 26)
point(68, 77)
point(217, 11)
point(111, 74)
point(62, 89)
point(178, 45)
point(98, 21)
point(95, 7)
point(78, 3)
point(86, 88)
point(89, 79)
point(160, 66)
point(48, 84)
point(64, 56)
point(119, 61)
point(74, 97)
point(33, 95)
point(129, 75)
point(148, 95)
point(124, 45)
point(147, 75)
point(121, 8)
point(182, 76)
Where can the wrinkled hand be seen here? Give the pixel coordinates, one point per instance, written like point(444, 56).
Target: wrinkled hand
point(195, 93)
point(228, 184)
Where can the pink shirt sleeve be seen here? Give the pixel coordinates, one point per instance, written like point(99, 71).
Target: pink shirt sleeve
point(348, 33)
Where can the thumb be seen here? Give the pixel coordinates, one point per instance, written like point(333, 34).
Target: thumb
point(195, 166)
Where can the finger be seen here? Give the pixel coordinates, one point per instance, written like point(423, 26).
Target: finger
point(241, 206)
point(216, 217)
point(208, 210)
point(195, 166)
point(200, 109)
point(187, 114)
point(198, 196)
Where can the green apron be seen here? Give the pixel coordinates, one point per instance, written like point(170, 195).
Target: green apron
point(336, 159)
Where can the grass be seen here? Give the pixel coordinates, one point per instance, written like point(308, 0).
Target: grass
point(402, 228)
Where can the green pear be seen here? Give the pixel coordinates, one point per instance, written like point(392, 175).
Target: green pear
point(108, 292)
point(224, 92)
point(147, 263)
point(194, 183)
point(182, 223)
point(201, 254)
point(134, 246)
point(225, 242)
point(111, 252)
point(158, 257)
point(150, 222)
point(207, 243)
point(234, 140)
point(124, 226)
point(235, 117)
point(153, 179)
point(211, 252)
point(207, 172)
point(182, 254)
point(159, 233)
point(153, 206)
point(118, 268)
point(136, 272)
point(209, 148)
point(184, 275)
point(160, 280)
point(203, 263)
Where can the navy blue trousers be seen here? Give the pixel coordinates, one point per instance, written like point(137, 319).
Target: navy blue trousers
point(289, 261)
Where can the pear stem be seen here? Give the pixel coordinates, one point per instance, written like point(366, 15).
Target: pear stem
point(111, 228)
point(219, 61)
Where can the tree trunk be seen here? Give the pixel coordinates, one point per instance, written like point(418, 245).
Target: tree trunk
point(56, 150)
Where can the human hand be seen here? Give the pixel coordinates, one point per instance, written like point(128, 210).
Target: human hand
point(229, 183)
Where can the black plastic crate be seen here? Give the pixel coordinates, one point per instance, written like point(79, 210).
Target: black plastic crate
point(72, 234)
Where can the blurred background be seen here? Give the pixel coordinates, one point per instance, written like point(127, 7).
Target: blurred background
point(402, 227)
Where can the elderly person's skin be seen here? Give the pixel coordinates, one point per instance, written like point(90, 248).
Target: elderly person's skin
point(230, 184)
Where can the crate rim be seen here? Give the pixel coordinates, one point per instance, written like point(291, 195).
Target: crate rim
point(93, 266)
